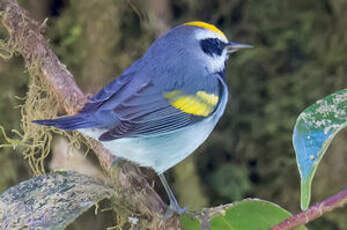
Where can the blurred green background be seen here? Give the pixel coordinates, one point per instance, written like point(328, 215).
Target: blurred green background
point(300, 57)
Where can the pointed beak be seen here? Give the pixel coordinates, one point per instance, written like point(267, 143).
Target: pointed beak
point(234, 46)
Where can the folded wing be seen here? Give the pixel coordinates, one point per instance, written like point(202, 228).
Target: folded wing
point(147, 106)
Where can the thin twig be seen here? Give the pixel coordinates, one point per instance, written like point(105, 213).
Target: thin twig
point(27, 40)
point(319, 209)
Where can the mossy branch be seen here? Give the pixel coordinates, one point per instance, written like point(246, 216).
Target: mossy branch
point(25, 38)
point(134, 192)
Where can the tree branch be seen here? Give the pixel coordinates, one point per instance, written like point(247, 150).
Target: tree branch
point(26, 39)
point(314, 212)
point(132, 188)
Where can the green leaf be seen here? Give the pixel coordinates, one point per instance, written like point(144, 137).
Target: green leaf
point(50, 201)
point(314, 130)
point(189, 222)
point(251, 214)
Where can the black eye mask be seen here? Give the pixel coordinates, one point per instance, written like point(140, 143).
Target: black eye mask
point(212, 46)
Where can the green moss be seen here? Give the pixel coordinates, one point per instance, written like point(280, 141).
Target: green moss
point(300, 56)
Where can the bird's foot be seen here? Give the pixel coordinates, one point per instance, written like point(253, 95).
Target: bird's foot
point(172, 210)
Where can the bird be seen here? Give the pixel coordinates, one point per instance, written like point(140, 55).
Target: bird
point(164, 105)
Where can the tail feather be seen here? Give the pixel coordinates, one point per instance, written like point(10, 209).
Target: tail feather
point(69, 123)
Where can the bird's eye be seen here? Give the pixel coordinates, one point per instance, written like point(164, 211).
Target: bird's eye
point(212, 46)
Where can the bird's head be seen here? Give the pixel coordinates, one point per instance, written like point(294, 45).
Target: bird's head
point(213, 43)
point(194, 44)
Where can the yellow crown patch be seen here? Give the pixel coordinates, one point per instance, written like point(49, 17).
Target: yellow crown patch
point(206, 26)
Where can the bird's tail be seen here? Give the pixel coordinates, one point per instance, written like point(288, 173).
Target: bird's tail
point(69, 123)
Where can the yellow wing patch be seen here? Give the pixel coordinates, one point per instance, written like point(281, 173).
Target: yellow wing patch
point(206, 26)
point(210, 99)
point(200, 104)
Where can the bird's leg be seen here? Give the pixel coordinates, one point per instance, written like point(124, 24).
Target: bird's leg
point(173, 207)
